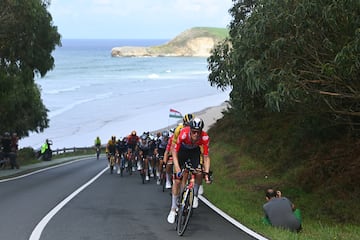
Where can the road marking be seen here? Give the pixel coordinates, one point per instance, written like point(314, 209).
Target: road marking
point(42, 170)
point(36, 233)
point(232, 220)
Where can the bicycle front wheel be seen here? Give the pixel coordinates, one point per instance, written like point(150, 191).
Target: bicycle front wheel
point(112, 163)
point(184, 212)
point(163, 180)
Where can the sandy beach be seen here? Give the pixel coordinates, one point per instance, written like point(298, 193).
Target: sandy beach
point(209, 115)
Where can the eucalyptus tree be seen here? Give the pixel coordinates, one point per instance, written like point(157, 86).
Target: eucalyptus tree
point(299, 57)
point(27, 39)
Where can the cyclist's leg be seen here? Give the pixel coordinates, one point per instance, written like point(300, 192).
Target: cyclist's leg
point(159, 167)
point(169, 172)
point(176, 189)
point(159, 161)
point(195, 161)
point(146, 165)
point(151, 166)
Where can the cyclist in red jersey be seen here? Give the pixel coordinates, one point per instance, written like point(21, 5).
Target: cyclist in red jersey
point(187, 146)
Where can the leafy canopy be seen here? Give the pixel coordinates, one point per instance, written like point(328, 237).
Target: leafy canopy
point(299, 57)
point(27, 38)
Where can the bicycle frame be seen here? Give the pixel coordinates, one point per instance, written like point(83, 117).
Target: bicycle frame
point(186, 201)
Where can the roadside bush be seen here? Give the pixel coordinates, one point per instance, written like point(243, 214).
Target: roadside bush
point(25, 155)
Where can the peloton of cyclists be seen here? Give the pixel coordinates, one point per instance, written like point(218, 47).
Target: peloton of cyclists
point(187, 146)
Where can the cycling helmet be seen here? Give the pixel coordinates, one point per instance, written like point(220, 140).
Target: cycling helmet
point(143, 137)
point(165, 134)
point(133, 133)
point(187, 118)
point(197, 124)
point(172, 130)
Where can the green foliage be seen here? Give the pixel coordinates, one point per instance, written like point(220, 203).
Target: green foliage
point(271, 153)
point(26, 155)
point(27, 38)
point(292, 56)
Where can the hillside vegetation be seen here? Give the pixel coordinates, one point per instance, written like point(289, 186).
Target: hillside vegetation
point(295, 113)
point(195, 42)
point(319, 175)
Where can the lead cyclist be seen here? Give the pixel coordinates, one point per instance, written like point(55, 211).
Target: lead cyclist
point(187, 146)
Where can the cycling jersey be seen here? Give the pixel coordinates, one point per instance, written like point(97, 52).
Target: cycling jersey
point(169, 145)
point(184, 140)
point(121, 146)
point(97, 142)
point(144, 147)
point(111, 147)
point(132, 141)
point(177, 132)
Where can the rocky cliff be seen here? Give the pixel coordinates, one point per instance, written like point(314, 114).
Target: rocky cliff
point(195, 42)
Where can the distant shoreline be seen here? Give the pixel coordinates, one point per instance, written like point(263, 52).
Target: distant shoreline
point(209, 115)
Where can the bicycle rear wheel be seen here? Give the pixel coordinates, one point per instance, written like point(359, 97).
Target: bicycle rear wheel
point(163, 183)
point(112, 163)
point(163, 180)
point(142, 174)
point(185, 210)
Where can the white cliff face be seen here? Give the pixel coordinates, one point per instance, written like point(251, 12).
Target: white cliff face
point(129, 51)
point(201, 46)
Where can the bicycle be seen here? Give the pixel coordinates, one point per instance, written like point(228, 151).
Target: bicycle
point(111, 163)
point(97, 152)
point(163, 175)
point(186, 198)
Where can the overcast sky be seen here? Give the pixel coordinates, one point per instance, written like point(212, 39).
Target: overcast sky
point(133, 19)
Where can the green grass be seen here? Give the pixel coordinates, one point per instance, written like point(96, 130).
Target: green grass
point(239, 186)
point(218, 32)
point(181, 40)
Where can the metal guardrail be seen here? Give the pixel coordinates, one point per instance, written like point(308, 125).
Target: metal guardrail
point(70, 150)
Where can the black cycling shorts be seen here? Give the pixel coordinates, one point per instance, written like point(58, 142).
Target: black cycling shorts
point(193, 155)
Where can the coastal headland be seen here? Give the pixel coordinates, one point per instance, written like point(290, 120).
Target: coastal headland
point(194, 42)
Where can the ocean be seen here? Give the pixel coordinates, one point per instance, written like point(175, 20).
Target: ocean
point(89, 93)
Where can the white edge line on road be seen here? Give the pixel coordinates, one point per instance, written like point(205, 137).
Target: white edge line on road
point(41, 170)
point(36, 233)
point(232, 220)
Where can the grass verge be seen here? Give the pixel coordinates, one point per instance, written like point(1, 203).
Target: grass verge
point(238, 189)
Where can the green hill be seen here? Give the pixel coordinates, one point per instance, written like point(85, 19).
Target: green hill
point(197, 41)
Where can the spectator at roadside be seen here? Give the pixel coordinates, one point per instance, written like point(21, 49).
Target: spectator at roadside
point(281, 212)
point(45, 151)
point(14, 143)
point(9, 153)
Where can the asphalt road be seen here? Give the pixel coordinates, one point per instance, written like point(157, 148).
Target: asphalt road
point(111, 207)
